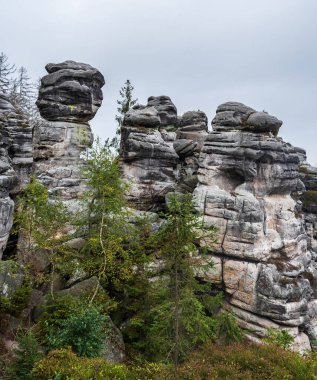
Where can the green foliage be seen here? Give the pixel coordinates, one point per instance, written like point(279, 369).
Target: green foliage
point(54, 312)
point(26, 355)
point(303, 169)
point(83, 329)
point(112, 242)
point(19, 300)
point(41, 221)
point(245, 362)
point(177, 319)
point(310, 198)
point(227, 329)
point(126, 102)
point(281, 338)
point(212, 362)
point(63, 364)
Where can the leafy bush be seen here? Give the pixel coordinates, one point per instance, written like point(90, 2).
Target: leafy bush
point(245, 362)
point(26, 355)
point(63, 364)
point(83, 330)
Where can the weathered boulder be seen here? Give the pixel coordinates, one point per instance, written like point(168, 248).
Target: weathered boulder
point(166, 109)
point(237, 116)
point(70, 92)
point(193, 125)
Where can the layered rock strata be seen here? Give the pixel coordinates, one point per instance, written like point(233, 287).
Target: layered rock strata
point(69, 97)
point(15, 162)
point(247, 183)
point(149, 159)
point(160, 151)
point(246, 178)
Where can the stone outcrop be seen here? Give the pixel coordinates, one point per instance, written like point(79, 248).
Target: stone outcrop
point(255, 188)
point(69, 96)
point(70, 92)
point(15, 162)
point(149, 159)
point(246, 181)
point(160, 151)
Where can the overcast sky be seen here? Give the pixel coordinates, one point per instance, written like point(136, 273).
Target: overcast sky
point(199, 52)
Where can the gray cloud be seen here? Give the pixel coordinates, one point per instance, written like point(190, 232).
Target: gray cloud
point(199, 52)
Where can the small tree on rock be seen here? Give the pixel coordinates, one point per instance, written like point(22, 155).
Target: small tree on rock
point(124, 104)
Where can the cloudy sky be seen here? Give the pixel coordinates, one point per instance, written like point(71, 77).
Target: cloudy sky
point(199, 52)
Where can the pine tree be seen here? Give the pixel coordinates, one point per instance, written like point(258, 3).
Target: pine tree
point(26, 355)
point(124, 104)
point(178, 319)
point(6, 70)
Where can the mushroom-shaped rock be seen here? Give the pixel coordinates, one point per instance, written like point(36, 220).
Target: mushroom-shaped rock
point(70, 92)
point(166, 109)
point(142, 117)
point(237, 116)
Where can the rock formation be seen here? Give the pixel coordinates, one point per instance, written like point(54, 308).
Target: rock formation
point(15, 162)
point(160, 151)
point(69, 97)
point(149, 159)
point(255, 188)
point(247, 183)
point(246, 178)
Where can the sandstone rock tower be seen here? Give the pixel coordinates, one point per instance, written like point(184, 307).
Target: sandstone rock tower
point(69, 97)
point(249, 184)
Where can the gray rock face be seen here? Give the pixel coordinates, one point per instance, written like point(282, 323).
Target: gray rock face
point(237, 116)
point(15, 162)
point(148, 157)
point(69, 96)
point(246, 178)
point(308, 175)
point(160, 151)
point(70, 92)
point(165, 108)
point(246, 183)
point(193, 125)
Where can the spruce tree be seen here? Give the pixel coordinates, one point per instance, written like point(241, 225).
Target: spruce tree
point(178, 321)
point(124, 104)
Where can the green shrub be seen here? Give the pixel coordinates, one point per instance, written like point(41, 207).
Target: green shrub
point(281, 338)
point(18, 301)
point(83, 330)
point(245, 362)
point(310, 198)
point(63, 364)
point(227, 329)
point(26, 355)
